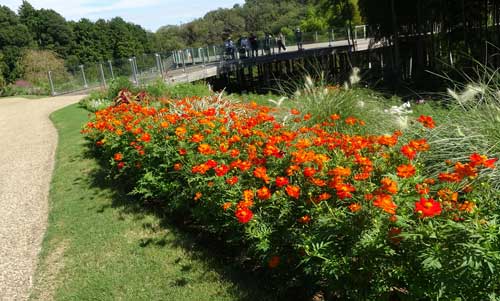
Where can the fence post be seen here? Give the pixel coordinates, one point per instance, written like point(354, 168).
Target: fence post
point(215, 52)
point(364, 32)
point(85, 85)
point(51, 83)
point(183, 60)
point(316, 36)
point(192, 55)
point(158, 64)
point(103, 79)
point(134, 59)
point(208, 54)
point(111, 69)
point(134, 75)
point(200, 51)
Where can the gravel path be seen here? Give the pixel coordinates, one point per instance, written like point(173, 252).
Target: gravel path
point(27, 149)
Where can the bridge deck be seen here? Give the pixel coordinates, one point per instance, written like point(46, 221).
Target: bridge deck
point(199, 72)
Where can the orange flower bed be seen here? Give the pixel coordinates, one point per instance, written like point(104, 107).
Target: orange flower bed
point(234, 166)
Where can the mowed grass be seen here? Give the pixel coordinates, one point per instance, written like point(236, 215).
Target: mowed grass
point(100, 246)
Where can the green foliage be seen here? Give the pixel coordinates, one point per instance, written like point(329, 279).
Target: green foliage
point(35, 65)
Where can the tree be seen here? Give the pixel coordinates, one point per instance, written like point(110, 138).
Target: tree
point(49, 29)
point(14, 38)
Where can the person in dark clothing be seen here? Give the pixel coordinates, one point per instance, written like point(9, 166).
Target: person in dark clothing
point(298, 38)
point(280, 41)
point(229, 47)
point(254, 44)
point(267, 43)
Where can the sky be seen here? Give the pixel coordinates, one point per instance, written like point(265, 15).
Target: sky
point(150, 14)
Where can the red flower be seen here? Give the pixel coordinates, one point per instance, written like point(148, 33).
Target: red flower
point(233, 180)
point(426, 121)
point(309, 172)
point(145, 137)
point(427, 207)
point(273, 262)
point(221, 170)
point(409, 152)
point(281, 181)
point(243, 214)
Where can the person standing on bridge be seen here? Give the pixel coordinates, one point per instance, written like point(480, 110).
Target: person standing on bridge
point(298, 38)
point(281, 42)
point(254, 44)
point(267, 43)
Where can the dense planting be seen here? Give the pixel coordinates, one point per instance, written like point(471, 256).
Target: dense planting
point(358, 214)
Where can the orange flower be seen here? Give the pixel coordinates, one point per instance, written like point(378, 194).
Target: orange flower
point(177, 166)
point(264, 193)
point(340, 171)
point(355, 207)
point(294, 111)
point(405, 171)
point(351, 120)
point(449, 177)
point(389, 186)
point(273, 262)
point(293, 191)
point(180, 132)
point(261, 173)
point(248, 195)
point(198, 196)
point(196, 138)
point(384, 202)
point(465, 170)
point(205, 149)
point(118, 157)
point(304, 219)
point(344, 190)
point(221, 170)
point(227, 205)
point(467, 206)
point(324, 196)
point(145, 137)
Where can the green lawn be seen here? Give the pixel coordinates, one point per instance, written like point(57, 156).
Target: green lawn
point(99, 246)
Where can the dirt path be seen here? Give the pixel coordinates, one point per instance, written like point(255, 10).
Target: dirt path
point(27, 149)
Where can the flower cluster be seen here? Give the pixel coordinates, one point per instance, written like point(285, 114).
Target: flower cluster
point(242, 167)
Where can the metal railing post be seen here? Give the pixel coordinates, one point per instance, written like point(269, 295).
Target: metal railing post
point(103, 79)
point(111, 69)
point(134, 74)
point(51, 83)
point(85, 85)
point(316, 36)
point(208, 54)
point(183, 61)
point(158, 63)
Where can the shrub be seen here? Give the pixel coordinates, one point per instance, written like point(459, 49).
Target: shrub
point(35, 65)
point(357, 214)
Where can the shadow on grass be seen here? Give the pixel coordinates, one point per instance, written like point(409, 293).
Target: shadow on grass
point(251, 281)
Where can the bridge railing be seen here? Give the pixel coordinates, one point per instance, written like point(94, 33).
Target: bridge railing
point(150, 67)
